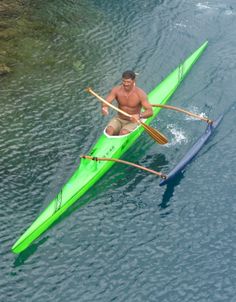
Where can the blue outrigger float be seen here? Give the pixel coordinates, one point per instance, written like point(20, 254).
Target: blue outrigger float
point(192, 152)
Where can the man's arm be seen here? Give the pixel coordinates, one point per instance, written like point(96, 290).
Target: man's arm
point(111, 96)
point(146, 105)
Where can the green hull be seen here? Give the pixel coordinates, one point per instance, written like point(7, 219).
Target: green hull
point(89, 172)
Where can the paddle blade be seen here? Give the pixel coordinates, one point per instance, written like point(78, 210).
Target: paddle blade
point(156, 135)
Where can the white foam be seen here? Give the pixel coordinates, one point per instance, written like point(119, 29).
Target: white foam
point(179, 136)
point(203, 5)
point(182, 25)
point(195, 111)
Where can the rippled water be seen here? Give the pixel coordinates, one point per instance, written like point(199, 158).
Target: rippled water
point(132, 240)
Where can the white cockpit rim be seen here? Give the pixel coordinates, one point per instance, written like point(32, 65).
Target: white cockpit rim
point(119, 136)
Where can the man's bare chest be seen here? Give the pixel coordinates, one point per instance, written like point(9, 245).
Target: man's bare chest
point(128, 99)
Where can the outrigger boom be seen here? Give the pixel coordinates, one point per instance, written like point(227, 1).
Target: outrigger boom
point(162, 175)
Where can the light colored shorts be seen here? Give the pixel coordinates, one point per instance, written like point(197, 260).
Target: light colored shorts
point(117, 124)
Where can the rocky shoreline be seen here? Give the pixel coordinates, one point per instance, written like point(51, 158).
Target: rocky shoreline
point(10, 12)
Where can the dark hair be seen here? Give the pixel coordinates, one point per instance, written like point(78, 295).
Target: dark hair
point(128, 74)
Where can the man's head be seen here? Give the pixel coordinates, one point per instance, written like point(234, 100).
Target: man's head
point(128, 79)
point(128, 74)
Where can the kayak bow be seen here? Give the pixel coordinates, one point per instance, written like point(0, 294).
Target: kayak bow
point(89, 172)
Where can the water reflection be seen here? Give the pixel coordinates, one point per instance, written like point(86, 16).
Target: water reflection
point(23, 256)
point(169, 192)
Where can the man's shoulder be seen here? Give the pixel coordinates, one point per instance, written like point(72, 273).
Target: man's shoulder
point(117, 89)
point(138, 88)
point(140, 91)
point(114, 90)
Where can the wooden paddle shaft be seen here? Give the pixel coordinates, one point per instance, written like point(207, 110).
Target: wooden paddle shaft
point(107, 103)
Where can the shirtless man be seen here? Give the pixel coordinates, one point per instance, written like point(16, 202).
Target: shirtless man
point(130, 99)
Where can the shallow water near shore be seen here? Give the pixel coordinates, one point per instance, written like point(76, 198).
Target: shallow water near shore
point(127, 239)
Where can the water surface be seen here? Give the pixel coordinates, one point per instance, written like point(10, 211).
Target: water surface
point(132, 240)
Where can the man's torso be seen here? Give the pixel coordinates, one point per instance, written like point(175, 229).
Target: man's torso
point(129, 102)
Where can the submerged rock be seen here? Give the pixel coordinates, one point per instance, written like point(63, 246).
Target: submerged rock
point(78, 65)
point(4, 69)
point(3, 53)
point(10, 12)
point(10, 8)
point(8, 33)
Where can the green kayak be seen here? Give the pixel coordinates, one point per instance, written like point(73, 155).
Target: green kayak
point(89, 172)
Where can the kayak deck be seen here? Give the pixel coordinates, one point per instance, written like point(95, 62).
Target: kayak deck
point(89, 172)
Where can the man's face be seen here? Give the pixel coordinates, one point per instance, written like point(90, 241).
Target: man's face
point(127, 84)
